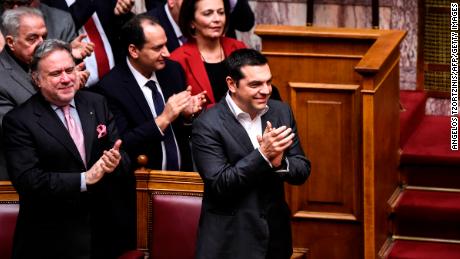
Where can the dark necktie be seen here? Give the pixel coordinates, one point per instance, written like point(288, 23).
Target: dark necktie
point(172, 160)
point(182, 39)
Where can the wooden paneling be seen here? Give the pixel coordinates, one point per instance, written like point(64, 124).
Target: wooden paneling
point(381, 146)
point(329, 136)
point(343, 86)
point(7, 192)
point(333, 70)
point(325, 240)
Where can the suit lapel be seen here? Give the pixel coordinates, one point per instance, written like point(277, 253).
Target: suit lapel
point(16, 72)
point(50, 122)
point(130, 83)
point(268, 116)
point(88, 123)
point(234, 127)
point(173, 42)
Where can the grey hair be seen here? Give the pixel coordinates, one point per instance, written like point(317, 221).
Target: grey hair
point(11, 19)
point(46, 48)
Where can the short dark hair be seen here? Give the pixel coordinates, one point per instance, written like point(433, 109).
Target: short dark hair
point(133, 33)
point(243, 57)
point(187, 15)
point(44, 49)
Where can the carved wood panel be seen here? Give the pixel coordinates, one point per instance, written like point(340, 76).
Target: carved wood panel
point(329, 128)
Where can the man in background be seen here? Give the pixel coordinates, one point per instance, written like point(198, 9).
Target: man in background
point(101, 21)
point(59, 25)
point(24, 29)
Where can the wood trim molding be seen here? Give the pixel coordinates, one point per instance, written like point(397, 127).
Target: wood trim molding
point(304, 85)
point(313, 55)
point(325, 215)
point(316, 32)
point(8, 193)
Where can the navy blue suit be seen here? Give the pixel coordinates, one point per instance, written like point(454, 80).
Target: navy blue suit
point(134, 119)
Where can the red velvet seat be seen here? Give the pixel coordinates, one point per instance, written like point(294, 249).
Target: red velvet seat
point(8, 215)
point(175, 219)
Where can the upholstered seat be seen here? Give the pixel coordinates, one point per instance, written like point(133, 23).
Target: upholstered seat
point(174, 224)
point(8, 215)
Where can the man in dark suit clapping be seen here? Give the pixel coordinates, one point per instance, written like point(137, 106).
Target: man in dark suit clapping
point(148, 96)
point(64, 159)
point(245, 148)
point(24, 29)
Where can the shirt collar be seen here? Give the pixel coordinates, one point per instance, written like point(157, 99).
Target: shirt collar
point(176, 28)
point(140, 79)
point(236, 111)
point(55, 107)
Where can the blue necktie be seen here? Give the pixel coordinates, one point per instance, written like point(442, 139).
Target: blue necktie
point(172, 159)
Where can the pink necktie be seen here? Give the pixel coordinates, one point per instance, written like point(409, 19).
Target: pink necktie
point(75, 133)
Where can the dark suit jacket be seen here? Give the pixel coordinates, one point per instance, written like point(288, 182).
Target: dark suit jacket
point(244, 213)
point(56, 219)
point(58, 23)
point(134, 119)
point(15, 88)
point(82, 10)
point(160, 14)
point(241, 19)
point(189, 57)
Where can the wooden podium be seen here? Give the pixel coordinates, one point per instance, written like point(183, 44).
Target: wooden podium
point(343, 87)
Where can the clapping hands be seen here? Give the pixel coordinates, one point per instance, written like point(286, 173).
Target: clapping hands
point(105, 165)
point(274, 141)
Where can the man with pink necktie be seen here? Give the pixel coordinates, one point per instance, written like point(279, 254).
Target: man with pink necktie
point(64, 159)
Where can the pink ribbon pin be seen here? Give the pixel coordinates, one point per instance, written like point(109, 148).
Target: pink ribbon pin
point(101, 130)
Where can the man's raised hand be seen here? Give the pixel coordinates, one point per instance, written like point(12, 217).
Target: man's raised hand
point(274, 141)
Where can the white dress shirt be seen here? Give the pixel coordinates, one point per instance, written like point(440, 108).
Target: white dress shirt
point(253, 127)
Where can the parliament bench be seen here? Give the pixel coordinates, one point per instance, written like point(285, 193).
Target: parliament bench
point(8, 215)
point(9, 209)
point(168, 210)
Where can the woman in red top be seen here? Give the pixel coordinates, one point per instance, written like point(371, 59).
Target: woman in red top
point(203, 56)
